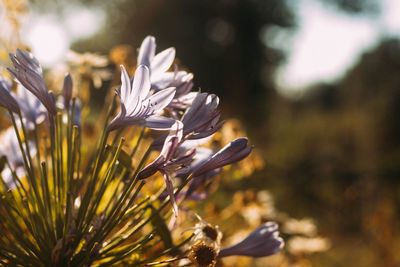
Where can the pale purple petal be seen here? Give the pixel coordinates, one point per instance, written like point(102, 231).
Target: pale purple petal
point(231, 153)
point(160, 81)
point(162, 61)
point(28, 73)
point(125, 85)
point(170, 191)
point(162, 98)
point(140, 89)
point(28, 60)
point(147, 51)
point(158, 123)
point(197, 104)
point(262, 242)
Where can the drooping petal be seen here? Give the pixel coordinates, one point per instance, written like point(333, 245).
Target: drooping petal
point(162, 61)
point(170, 191)
point(147, 51)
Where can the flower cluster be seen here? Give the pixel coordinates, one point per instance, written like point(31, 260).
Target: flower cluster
point(67, 202)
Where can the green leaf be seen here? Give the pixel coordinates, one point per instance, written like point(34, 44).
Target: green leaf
point(161, 228)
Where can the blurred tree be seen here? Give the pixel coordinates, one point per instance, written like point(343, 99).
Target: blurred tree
point(366, 7)
point(221, 40)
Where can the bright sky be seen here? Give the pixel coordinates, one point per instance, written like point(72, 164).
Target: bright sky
point(50, 36)
point(328, 43)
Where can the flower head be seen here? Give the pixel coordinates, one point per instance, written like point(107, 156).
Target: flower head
point(208, 234)
point(137, 107)
point(200, 120)
point(262, 242)
point(203, 255)
point(28, 72)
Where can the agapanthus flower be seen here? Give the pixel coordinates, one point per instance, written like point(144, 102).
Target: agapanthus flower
point(231, 153)
point(170, 160)
point(6, 99)
point(9, 148)
point(137, 107)
point(200, 119)
point(158, 64)
point(28, 72)
point(206, 164)
point(262, 242)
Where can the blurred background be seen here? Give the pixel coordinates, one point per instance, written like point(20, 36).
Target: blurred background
point(315, 83)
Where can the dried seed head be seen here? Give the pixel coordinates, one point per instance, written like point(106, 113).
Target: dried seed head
point(210, 231)
point(208, 234)
point(203, 255)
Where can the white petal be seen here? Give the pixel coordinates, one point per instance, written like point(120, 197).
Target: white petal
point(159, 123)
point(197, 105)
point(162, 98)
point(125, 85)
point(147, 51)
point(140, 89)
point(162, 61)
point(160, 81)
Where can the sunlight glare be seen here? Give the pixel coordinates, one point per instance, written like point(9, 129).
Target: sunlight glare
point(48, 40)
